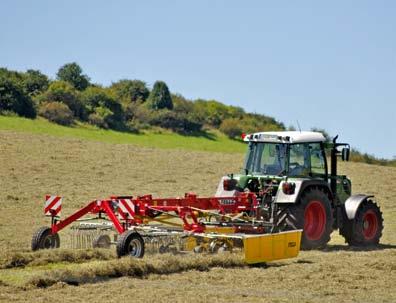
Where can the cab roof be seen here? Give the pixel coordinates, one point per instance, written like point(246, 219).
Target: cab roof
point(286, 137)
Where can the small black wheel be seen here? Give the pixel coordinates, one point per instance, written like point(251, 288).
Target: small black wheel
point(130, 243)
point(101, 241)
point(44, 239)
point(366, 228)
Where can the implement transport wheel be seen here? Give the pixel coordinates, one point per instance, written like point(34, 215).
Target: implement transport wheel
point(314, 215)
point(44, 239)
point(101, 241)
point(130, 243)
point(366, 228)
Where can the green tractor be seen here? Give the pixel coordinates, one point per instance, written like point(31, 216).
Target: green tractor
point(289, 173)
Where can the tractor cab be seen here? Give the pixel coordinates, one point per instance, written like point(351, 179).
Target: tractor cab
point(293, 154)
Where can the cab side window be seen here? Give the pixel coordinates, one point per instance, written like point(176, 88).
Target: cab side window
point(299, 161)
point(317, 159)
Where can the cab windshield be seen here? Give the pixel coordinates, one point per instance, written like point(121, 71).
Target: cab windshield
point(277, 159)
point(266, 158)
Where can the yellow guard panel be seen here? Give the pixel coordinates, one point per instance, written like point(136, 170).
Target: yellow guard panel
point(270, 247)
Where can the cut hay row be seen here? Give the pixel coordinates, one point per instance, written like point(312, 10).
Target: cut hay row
point(132, 267)
point(44, 257)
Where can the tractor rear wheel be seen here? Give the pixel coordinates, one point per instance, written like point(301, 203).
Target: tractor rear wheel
point(366, 228)
point(130, 243)
point(44, 239)
point(313, 214)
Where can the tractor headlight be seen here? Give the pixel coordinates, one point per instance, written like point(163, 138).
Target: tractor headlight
point(289, 188)
point(229, 184)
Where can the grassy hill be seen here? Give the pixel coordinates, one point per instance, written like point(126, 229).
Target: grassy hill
point(207, 141)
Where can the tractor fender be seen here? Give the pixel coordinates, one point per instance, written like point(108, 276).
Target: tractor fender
point(301, 186)
point(352, 204)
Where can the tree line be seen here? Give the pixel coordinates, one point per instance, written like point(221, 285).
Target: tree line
point(127, 105)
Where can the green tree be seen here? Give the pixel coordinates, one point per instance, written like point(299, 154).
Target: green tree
point(181, 104)
point(102, 108)
point(160, 97)
point(130, 90)
point(61, 91)
point(72, 73)
point(14, 98)
point(213, 112)
point(34, 82)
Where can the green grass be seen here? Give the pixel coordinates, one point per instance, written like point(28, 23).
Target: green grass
point(210, 141)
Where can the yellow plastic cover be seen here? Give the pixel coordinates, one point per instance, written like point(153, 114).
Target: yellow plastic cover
point(271, 247)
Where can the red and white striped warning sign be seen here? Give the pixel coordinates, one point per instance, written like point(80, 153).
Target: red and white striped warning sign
point(53, 205)
point(127, 208)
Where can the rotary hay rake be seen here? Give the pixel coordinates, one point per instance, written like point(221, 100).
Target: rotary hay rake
point(176, 225)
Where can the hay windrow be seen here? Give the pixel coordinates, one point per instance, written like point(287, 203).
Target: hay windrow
point(138, 268)
point(43, 257)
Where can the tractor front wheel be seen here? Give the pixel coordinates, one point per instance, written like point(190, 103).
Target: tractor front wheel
point(130, 243)
point(44, 239)
point(313, 214)
point(366, 228)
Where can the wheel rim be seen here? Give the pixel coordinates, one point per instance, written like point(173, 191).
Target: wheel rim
point(103, 241)
point(370, 225)
point(135, 248)
point(314, 220)
point(48, 242)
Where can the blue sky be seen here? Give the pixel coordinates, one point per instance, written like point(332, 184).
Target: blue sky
point(326, 64)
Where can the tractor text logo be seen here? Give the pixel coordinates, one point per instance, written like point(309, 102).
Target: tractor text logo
point(227, 202)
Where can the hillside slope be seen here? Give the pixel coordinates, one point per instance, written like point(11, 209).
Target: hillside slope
point(207, 141)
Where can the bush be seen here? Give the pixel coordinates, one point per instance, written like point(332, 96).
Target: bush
point(213, 112)
point(130, 90)
point(99, 103)
point(178, 122)
point(56, 112)
point(231, 127)
point(256, 122)
point(60, 91)
point(97, 120)
point(141, 114)
point(34, 82)
point(14, 98)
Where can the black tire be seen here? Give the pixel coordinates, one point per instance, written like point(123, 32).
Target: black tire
point(366, 228)
point(44, 239)
point(130, 243)
point(315, 206)
point(101, 241)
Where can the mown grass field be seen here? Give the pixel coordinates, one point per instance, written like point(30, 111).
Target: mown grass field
point(36, 160)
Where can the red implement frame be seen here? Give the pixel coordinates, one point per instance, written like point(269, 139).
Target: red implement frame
point(145, 207)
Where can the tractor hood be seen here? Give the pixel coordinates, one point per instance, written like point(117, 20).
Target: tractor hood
point(241, 183)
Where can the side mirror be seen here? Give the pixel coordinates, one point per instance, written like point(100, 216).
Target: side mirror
point(345, 154)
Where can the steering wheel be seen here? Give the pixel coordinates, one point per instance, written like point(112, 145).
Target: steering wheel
point(295, 164)
point(295, 168)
